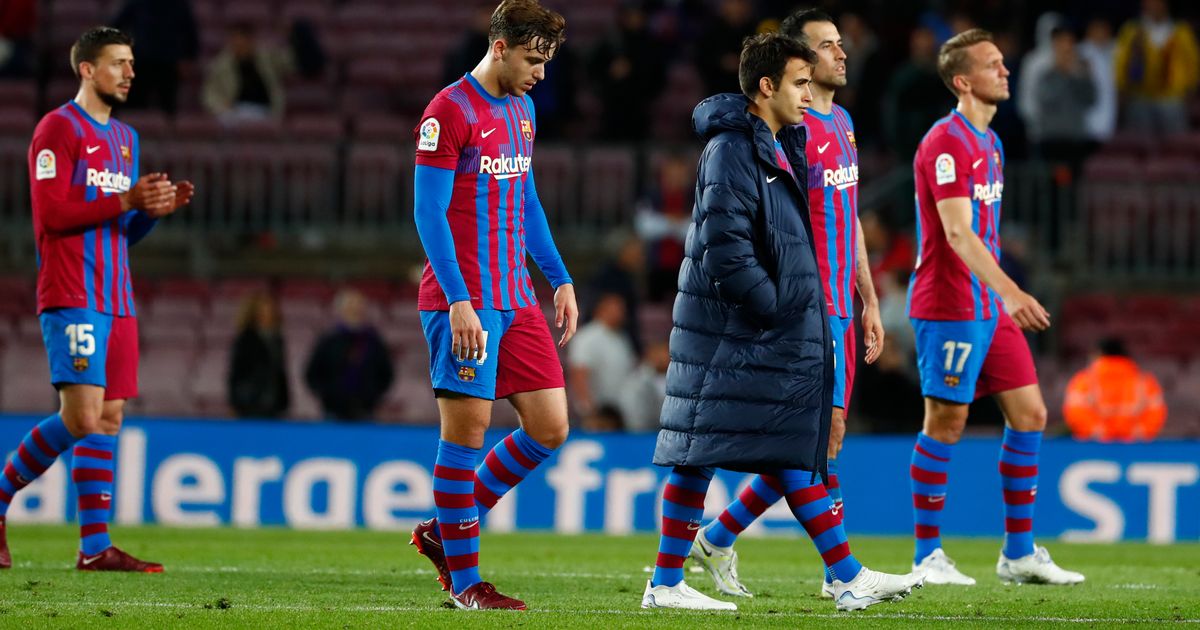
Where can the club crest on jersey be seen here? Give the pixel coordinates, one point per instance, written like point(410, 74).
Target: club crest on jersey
point(527, 130)
point(996, 157)
point(431, 129)
point(952, 380)
point(466, 373)
point(850, 137)
point(80, 364)
point(46, 165)
point(943, 168)
point(125, 153)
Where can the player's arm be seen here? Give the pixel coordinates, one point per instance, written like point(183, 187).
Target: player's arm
point(956, 215)
point(540, 245)
point(872, 320)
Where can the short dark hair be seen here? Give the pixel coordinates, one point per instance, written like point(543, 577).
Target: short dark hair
point(793, 25)
point(92, 42)
point(519, 22)
point(766, 55)
point(953, 58)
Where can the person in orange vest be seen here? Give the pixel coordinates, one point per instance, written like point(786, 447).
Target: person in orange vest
point(1112, 400)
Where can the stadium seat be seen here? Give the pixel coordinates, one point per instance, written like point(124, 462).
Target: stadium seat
point(25, 378)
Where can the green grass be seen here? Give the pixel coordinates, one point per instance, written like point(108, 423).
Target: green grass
point(227, 578)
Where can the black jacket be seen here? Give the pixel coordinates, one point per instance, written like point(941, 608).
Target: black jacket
point(349, 371)
point(258, 385)
point(751, 377)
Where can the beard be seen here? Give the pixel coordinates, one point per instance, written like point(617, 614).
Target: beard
point(113, 99)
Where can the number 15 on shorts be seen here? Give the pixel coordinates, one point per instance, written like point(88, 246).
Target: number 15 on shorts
point(82, 342)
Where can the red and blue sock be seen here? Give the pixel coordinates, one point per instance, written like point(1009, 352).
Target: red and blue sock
point(763, 492)
point(834, 487)
point(505, 466)
point(92, 472)
point(1019, 477)
point(930, 463)
point(683, 509)
point(37, 452)
point(813, 507)
point(458, 517)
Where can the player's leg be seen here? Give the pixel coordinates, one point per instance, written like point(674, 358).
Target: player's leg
point(950, 357)
point(682, 512)
point(843, 383)
point(1009, 374)
point(854, 586)
point(714, 545)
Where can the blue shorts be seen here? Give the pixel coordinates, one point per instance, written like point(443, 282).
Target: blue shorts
point(842, 331)
point(950, 356)
point(77, 345)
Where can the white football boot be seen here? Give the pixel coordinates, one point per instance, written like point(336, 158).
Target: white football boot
point(938, 568)
point(721, 563)
point(873, 587)
point(1036, 568)
point(681, 596)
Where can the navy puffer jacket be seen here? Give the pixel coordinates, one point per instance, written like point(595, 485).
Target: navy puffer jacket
point(751, 376)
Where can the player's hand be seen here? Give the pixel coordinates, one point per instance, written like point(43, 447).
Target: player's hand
point(153, 194)
point(184, 191)
point(467, 340)
point(566, 312)
point(872, 333)
point(1027, 312)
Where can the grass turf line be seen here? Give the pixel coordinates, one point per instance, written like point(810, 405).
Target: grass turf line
point(271, 578)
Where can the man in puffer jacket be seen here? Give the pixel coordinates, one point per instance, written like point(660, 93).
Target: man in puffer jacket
point(750, 382)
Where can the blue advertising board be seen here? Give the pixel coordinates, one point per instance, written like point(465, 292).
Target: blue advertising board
point(248, 474)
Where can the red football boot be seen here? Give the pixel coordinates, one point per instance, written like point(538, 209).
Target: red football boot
point(5, 557)
point(113, 559)
point(483, 596)
point(428, 541)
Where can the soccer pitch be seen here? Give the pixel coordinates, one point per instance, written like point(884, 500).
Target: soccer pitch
point(274, 578)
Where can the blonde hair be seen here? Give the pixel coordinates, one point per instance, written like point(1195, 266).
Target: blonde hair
point(953, 58)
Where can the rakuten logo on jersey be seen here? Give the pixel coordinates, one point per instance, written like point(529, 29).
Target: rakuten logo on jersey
point(989, 193)
point(504, 167)
point(844, 177)
point(108, 181)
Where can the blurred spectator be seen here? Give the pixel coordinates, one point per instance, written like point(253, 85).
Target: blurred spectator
point(1099, 50)
point(604, 419)
point(258, 385)
point(860, 43)
point(645, 389)
point(620, 275)
point(243, 81)
point(1112, 400)
point(1158, 67)
point(306, 55)
point(1007, 122)
point(893, 313)
point(1064, 91)
point(888, 251)
point(662, 221)
point(349, 370)
point(165, 43)
point(916, 97)
point(600, 357)
point(892, 402)
point(720, 45)
point(627, 73)
point(1034, 64)
point(471, 46)
point(18, 22)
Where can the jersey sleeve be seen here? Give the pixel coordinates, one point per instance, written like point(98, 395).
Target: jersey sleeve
point(138, 223)
point(52, 157)
point(946, 166)
point(442, 134)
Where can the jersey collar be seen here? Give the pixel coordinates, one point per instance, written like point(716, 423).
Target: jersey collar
point(484, 93)
point(88, 117)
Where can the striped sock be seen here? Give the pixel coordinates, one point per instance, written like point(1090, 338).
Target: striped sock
point(92, 472)
point(762, 493)
point(1019, 477)
point(505, 466)
point(834, 488)
point(930, 461)
point(814, 509)
point(458, 517)
point(683, 509)
point(38, 450)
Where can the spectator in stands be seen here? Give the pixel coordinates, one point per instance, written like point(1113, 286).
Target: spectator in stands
point(350, 369)
point(243, 81)
point(721, 45)
point(915, 98)
point(1063, 92)
point(258, 384)
point(18, 22)
point(604, 419)
point(645, 389)
point(166, 43)
point(1033, 65)
point(1158, 67)
point(663, 216)
point(621, 274)
point(1099, 49)
point(600, 357)
point(887, 249)
point(625, 78)
point(306, 55)
point(460, 59)
point(1112, 400)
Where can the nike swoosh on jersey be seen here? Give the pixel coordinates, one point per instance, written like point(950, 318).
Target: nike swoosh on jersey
point(771, 179)
point(976, 163)
point(487, 133)
point(507, 176)
point(92, 150)
point(821, 149)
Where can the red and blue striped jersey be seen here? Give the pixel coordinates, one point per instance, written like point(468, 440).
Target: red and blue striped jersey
point(77, 167)
point(833, 204)
point(955, 160)
point(488, 143)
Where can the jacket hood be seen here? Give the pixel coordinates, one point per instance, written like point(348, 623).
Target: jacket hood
point(723, 112)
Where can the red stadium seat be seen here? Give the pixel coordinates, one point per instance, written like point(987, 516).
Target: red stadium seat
point(315, 128)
